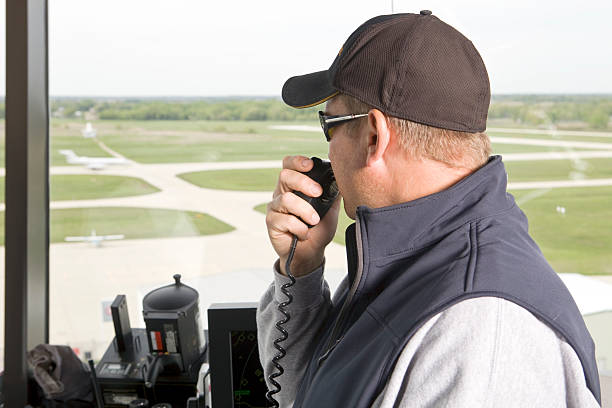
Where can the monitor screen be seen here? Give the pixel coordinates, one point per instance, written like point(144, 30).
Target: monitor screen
point(236, 375)
point(248, 383)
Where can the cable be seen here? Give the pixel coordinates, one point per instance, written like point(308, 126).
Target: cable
point(153, 371)
point(95, 385)
point(279, 325)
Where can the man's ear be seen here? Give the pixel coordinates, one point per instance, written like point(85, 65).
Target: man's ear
point(379, 136)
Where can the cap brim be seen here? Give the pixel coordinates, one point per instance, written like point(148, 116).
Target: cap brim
point(308, 90)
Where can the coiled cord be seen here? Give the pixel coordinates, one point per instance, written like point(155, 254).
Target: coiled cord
point(279, 325)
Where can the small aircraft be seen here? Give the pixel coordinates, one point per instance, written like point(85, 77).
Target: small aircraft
point(96, 240)
point(89, 131)
point(93, 163)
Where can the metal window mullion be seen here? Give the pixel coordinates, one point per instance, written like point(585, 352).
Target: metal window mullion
point(27, 191)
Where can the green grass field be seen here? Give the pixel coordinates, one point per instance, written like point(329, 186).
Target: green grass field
point(67, 135)
point(578, 241)
point(214, 147)
point(134, 223)
point(558, 169)
point(242, 180)
point(210, 141)
point(265, 179)
point(202, 141)
point(80, 145)
point(63, 135)
point(88, 187)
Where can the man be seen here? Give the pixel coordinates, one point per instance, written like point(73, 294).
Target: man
point(448, 302)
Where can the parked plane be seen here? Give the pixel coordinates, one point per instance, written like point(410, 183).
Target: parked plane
point(89, 131)
point(96, 240)
point(93, 163)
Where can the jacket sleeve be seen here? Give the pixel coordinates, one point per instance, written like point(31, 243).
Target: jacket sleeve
point(308, 311)
point(486, 352)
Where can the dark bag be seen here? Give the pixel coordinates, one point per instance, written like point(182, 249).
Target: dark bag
point(63, 379)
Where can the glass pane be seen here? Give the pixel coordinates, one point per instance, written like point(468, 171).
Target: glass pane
point(167, 136)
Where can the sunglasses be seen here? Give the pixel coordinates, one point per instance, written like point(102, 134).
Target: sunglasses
point(329, 122)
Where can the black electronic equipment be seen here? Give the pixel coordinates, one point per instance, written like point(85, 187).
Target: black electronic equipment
point(121, 321)
point(322, 173)
point(147, 368)
point(236, 375)
point(174, 333)
point(139, 403)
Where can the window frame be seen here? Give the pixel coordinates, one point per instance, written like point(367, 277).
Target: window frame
point(27, 191)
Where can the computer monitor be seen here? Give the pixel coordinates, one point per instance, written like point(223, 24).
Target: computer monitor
point(236, 375)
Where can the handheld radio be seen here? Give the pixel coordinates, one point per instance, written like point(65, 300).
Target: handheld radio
point(321, 173)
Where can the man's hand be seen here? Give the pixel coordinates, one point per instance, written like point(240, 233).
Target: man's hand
point(283, 222)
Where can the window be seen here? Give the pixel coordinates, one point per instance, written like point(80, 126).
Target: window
point(160, 163)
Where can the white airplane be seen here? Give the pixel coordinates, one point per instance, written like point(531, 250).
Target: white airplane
point(89, 131)
point(96, 240)
point(93, 163)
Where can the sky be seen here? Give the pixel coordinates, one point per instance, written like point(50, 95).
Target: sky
point(244, 47)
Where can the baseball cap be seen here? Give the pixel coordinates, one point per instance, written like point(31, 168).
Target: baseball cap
point(411, 66)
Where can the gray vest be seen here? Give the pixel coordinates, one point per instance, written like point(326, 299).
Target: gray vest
point(411, 261)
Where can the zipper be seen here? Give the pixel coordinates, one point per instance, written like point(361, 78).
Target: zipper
point(327, 353)
point(331, 343)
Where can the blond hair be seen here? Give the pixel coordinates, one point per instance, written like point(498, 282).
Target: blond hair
point(451, 147)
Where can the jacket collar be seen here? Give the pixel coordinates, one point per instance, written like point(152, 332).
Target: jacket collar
point(387, 231)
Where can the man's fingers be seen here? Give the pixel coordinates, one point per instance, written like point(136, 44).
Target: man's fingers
point(289, 203)
point(299, 163)
point(286, 223)
point(292, 180)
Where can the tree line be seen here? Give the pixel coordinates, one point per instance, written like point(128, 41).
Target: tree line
point(242, 109)
point(592, 111)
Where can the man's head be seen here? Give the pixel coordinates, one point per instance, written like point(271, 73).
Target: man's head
point(381, 160)
point(426, 92)
point(453, 148)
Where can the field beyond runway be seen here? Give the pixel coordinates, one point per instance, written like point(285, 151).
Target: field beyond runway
point(236, 265)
